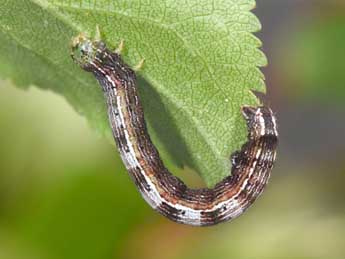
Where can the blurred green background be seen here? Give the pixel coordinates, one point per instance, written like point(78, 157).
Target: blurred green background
point(64, 193)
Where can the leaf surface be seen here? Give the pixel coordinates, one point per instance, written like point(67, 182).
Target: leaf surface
point(201, 63)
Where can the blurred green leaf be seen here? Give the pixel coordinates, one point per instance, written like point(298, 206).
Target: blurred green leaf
point(84, 217)
point(58, 202)
point(314, 60)
point(201, 63)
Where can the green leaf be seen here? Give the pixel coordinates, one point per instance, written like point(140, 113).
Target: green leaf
point(201, 63)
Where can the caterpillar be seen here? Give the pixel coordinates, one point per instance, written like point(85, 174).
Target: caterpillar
point(167, 194)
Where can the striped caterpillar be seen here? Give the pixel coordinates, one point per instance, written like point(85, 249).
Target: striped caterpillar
point(251, 166)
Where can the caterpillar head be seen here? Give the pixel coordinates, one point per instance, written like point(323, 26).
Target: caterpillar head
point(84, 51)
